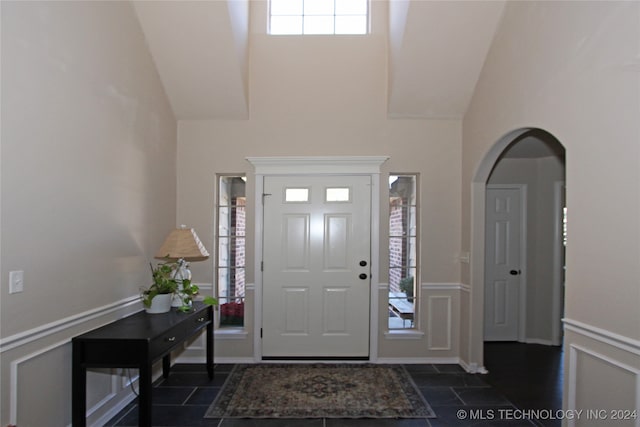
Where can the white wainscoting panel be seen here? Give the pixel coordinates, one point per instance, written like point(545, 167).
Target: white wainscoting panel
point(602, 375)
point(593, 378)
point(439, 311)
point(42, 356)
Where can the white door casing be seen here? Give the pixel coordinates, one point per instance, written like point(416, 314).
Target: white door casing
point(557, 309)
point(320, 165)
point(505, 296)
point(316, 267)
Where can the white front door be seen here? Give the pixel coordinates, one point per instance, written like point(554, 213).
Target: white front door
point(502, 264)
point(316, 266)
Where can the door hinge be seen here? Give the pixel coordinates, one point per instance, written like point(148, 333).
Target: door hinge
point(261, 265)
point(265, 195)
point(260, 332)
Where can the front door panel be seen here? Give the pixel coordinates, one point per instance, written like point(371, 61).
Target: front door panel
point(316, 293)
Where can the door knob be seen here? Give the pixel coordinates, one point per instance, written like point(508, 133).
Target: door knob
point(363, 276)
point(514, 272)
point(363, 263)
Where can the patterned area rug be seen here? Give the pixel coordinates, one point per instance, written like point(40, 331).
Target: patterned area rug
point(319, 391)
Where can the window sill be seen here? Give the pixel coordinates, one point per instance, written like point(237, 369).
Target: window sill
point(403, 334)
point(231, 334)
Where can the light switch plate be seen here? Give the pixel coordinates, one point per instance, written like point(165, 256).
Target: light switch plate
point(16, 281)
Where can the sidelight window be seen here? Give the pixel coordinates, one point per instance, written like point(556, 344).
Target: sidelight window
point(231, 239)
point(403, 251)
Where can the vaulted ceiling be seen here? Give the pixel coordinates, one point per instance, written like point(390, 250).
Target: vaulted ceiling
point(436, 52)
point(201, 52)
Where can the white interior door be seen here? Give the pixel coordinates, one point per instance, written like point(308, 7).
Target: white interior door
point(316, 266)
point(502, 264)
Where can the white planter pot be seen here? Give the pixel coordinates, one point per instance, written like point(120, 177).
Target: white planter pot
point(160, 304)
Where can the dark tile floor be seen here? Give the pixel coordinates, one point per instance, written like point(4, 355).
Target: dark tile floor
point(530, 375)
point(520, 377)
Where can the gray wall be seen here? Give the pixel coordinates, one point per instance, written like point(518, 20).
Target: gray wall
point(322, 96)
point(88, 191)
point(571, 69)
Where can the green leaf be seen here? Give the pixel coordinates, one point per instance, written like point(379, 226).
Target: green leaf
point(210, 300)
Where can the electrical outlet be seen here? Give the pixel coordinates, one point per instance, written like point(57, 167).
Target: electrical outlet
point(16, 282)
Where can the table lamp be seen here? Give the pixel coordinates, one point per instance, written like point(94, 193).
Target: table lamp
point(182, 246)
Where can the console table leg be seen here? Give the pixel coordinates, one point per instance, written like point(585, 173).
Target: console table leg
point(144, 398)
point(78, 389)
point(166, 365)
point(209, 350)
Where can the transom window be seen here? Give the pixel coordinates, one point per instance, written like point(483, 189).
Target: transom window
point(291, 17)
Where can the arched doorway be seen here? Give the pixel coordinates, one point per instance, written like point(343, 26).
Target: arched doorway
point(523, 144)
point(524, 251)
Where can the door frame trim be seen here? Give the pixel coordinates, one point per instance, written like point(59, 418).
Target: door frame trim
point(522, 303)
point(557, 301)
point(318, 165)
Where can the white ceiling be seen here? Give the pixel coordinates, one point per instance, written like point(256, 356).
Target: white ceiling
point(437, 50)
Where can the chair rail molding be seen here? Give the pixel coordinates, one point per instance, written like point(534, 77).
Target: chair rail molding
point(23, 338)
point(44, 341)
point(602, 335)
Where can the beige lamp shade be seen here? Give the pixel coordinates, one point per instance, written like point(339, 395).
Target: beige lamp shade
point(182, 243)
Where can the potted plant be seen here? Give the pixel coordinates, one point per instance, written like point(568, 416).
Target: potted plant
point(186, 293)
point(157, 297)
point(406, 286)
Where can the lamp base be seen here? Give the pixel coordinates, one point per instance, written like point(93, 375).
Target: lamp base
point(176, 300)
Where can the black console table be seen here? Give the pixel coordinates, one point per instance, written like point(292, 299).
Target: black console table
point(136, 341)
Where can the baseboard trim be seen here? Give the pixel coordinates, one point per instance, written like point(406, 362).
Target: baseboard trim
point(233, 360)
point(381, 361)
point(473, 368)
point(539, 341)
point(190, 360)
point(429, 286)
point(419, 360)
point(120, 404)
point(306, 359)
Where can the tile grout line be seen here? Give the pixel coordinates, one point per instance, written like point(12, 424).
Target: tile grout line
point(453, 390)
point(184, 403)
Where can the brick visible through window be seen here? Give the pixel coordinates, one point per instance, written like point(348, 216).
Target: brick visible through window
point(403, 251)
point(231, 243)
